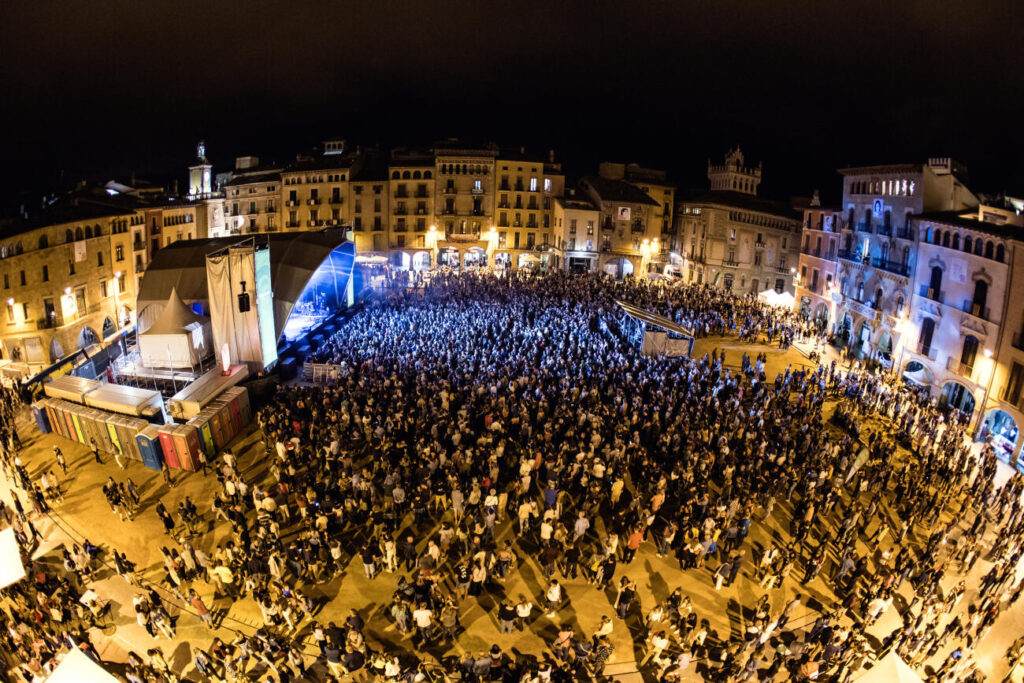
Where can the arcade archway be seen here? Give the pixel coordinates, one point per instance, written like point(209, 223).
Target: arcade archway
point(958, 397)
point(1001, 429)
point(86, 337)
point(449, 256)
point(619, 267)
point(475, 257)
point(421, 261)
point(401, 261)
point(918, 373)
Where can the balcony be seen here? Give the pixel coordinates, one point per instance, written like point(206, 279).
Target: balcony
point(504, 205)
point(905, 234)
point(885, 230)
point(400, 211)
point(314, 224)
point(292, 224)
point(854, 256)
point(864, 227)
point(421, 194)
point(292, 202)
point(927, 352)
point(421, 212)
point(816, 253)
point(476, 190)
point(891, 266)
point(732, 263)
point(1018, 341)
point(930, 293)
point(607, 225)
point(401, 194)
point(335, 199)
point(503, 187)
point(760, 244)
point(519, 187)
point(965, 370)
point(313, 201)
point(138, 245)
point(781, 269)
point(449, 189)
point(462, 236)
point(1012, 395)
point(532, 206)
point(448, 211)
point(333, 221)
point(271, 208)
point(974, 309)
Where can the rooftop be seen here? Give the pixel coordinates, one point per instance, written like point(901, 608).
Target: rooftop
point(971, 222)
point(740, 200)
point(617, 191)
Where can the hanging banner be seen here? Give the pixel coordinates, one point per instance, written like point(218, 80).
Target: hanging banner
point(80, 252)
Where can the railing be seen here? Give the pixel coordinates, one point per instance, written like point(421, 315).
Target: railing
point(421, 212)
point(760, 245)
point(271, 209)
point(400, 212)
point(449, 189)
point(781, 269)
point(292, 224)
point(401, 194)
point(974, 309)
point(476, 190)
point(960, 368)
point(863, 227)
point(519, 187)
point(532, 206)
point(292, 202)
point(891, 266)
point(731, 262)
point(816, 253)
point(930, 293)
point(447, 212)
point(905, 234)
point(314, 224)
point(504, 205)
point(885, 230)
point(849, 255)
point(421, 194)
point(333, 200)
point(138, 245)
point(313, 201)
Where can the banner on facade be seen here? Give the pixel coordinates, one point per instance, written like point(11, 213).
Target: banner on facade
point(80, 252)
point(958, 270)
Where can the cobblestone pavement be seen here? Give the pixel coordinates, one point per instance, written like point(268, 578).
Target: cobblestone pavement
point(84, 512)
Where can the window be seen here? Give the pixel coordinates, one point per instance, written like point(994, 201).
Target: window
point(10, 314)
point(7, 281)
point(732, 234)
point(119, 253)
point(99, 258)
point(478, 186)
point(22, 278)
point(46, 273)
point(590, 227)
point(24, 311)
point(547, 184)
point(572, 226)
point(103, 289)
point(533, 184)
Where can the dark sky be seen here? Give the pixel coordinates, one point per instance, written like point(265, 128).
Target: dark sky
point(97, 89)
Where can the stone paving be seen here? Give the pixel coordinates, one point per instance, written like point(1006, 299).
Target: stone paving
point(85, 512)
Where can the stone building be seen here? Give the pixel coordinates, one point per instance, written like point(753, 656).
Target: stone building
point(731, 238)
point(816, 273)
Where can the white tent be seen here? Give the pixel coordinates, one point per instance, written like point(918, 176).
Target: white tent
point(773, 298)
point(890, 669)
point(11, 568)
point(178, 338)
point(76, 667)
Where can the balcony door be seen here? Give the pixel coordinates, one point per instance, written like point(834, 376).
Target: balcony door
point(970, 352)
point(927, 332)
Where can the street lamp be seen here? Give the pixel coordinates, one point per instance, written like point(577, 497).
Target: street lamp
point(432, 243)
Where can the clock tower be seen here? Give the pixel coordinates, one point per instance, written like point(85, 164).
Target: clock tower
point(200, 175)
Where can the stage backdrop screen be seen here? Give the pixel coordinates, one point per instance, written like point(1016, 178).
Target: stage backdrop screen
point(265, 307)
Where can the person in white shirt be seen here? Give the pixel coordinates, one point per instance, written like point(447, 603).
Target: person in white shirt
point(554, 597)
point(524, 609)
point(658, 643)
point(423, 617)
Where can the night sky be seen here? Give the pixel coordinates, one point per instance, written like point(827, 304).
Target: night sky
point(100, 89)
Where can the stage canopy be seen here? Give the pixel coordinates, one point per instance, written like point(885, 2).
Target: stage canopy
point(178, 338)
point(654, 319)
point(306, 267)
point(890, 669)
point(76, 667)
point(11, 568)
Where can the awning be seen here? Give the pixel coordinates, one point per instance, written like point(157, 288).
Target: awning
point(76, 667)
point(658, 321)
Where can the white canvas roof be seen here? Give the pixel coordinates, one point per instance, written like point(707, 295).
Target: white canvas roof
point(890, 669)
point(176, 318)
point(70, 388)
point(11, 568)
point(123, 399)
point(76, 667)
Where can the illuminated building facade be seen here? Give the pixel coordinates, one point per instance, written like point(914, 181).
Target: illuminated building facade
point(816, 274)
point(731, 238)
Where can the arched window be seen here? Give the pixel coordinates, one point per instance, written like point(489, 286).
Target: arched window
point(415, 175)
point(928, 234)
point(989, 249)
point(88, 232)
point(98, 231)
point(69, 236)
point(945, 239)
point(956, 241)
point(979, 247)
point(1000, 253)
point(427, 175)
point(968, 243)
point(899, 305)
point(79, 234)
point(394, 175)
point(18, 249)
point(43, 242)
point(937, 237)
point(405, 175)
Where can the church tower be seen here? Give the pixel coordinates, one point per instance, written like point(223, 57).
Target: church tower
point(200, 175)
point(733, 176)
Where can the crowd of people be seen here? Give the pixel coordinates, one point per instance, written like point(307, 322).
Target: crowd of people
point(478, 425)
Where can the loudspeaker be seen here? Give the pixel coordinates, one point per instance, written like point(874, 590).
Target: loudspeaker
point(243, 302)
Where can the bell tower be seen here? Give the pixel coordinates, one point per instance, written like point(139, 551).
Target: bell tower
point(200, 174)
point(733, 176)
